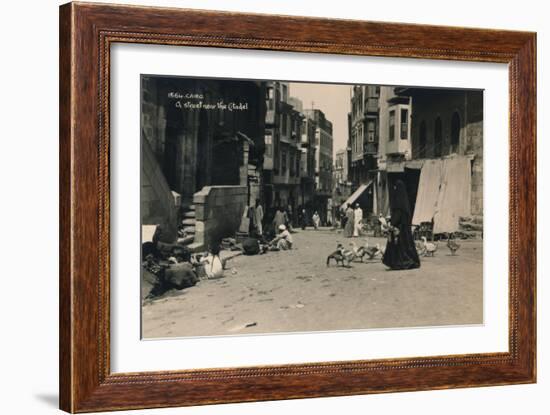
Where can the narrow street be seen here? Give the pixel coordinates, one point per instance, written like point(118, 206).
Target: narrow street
point(294, 291)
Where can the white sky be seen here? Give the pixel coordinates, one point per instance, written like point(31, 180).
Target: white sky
point(333, 100)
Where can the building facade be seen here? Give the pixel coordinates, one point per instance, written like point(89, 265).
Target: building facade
point(364, 132)
point(283, 149)
point(394, 145)
point(432, 140)
point(341, 183)
point(363, 143)
point(308, 161)
point(448, 124)
point(323, 164)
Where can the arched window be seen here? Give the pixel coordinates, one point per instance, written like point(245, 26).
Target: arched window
point(422, 140)
point(455, 133)
point(438, 138)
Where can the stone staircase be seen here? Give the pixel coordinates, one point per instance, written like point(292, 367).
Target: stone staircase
point(188, 223)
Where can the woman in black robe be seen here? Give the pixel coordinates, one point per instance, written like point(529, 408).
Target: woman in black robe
point(400, 249)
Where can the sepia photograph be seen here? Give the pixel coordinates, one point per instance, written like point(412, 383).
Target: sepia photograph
point(272, 206)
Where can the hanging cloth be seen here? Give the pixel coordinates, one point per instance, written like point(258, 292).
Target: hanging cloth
point(428, 191)
point(454, 194)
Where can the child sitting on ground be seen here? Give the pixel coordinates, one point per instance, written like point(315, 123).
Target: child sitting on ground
point(212, 263)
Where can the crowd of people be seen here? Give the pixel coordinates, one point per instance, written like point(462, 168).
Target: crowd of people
point(351, 219)
point(173, 266)
point(400, 251)
point(273, 235)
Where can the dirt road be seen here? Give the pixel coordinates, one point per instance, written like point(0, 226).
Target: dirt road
point(295, 291)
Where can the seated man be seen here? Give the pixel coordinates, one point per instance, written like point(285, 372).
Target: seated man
point(283, 241)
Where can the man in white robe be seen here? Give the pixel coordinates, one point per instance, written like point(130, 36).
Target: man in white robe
point(358, 218)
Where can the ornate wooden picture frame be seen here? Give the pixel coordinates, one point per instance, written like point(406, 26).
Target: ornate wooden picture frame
point(87, 32)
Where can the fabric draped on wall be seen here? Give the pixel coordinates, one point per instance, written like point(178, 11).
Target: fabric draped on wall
point(454, 194)
point(444, 193)
point(428, 191)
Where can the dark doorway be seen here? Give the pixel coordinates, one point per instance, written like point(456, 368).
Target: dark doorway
point(203, 155)
point(412, 178)
point(225, 162)
point(174, 130)
point(455, 133)
point(422, 140)
point(438, 138)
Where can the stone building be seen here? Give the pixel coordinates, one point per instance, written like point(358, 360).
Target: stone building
point(364, 131)
point(430, 138)
point(307, 162)
point(341, 183)
point(446, 157)
point(201, 133)
point(394, 146)
point(282, 160)
point(323, 164)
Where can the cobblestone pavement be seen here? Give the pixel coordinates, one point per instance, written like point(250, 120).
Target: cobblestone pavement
point(295, 291)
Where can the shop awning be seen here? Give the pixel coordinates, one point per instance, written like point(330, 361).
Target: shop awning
point(356, 194)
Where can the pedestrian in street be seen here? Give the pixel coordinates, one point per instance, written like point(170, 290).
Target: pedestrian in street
point(259, 215)
point(303, 218)
point(290, 216)
point(343, 218)
point(251, 216)
point(316, 220)
point(400, 249)
point(350, 222)
point(283, 241)
point(279, 218)
point(358, 220)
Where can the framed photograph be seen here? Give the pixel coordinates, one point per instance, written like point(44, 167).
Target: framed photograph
point(259, 207)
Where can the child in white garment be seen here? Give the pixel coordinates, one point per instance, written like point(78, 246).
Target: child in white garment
point(213, 265)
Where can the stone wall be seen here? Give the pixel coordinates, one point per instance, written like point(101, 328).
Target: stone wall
point(474, 145)
point(158, 205)
point(475, 133)
point(218, 213)
point(197, 147)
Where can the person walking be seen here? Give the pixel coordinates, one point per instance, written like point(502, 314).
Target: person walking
point(259, 215)
point(350, 222)
point(280, 218)
point(400, 249)
point(316, 220)
point(358, 220)
point(343, 218)
point(303, 218)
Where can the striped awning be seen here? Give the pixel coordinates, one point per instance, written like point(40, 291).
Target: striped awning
point(356, 194)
